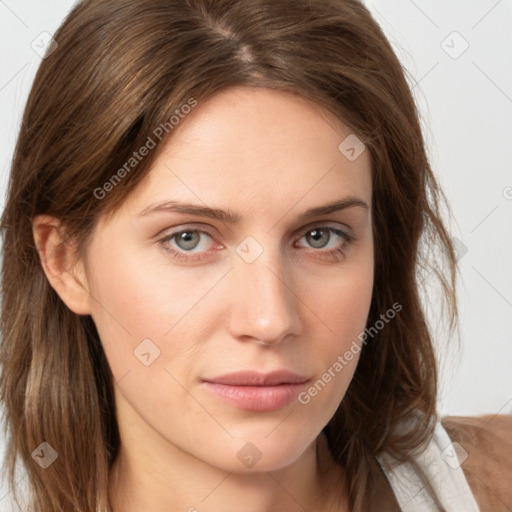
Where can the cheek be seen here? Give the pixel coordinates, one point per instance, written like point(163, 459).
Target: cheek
point(140, 306)
point(128, 304)
point(342, 306)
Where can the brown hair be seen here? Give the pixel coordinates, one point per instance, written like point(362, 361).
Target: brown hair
point(124, 67)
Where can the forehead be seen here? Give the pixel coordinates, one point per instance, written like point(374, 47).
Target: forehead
point(262, 149)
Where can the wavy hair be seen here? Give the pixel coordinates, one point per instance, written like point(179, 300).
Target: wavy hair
point(124, 67)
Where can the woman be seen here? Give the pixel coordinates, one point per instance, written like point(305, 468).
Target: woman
point(213, 233)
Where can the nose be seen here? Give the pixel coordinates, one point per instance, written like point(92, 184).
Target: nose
point(264, 305)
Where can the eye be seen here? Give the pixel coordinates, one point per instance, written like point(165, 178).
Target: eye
point(182, 244)
point(320, 236)
point(186, 241)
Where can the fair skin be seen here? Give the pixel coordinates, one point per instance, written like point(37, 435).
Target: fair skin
point(268, 156)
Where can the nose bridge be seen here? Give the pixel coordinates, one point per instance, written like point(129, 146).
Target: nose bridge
point(264, 304)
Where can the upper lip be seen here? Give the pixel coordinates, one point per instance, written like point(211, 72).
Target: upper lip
point(254, 378)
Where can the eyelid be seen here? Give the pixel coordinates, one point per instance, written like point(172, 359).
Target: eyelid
point(299, 232)
point(195, 228)
point(327, 224)
point(346, 234)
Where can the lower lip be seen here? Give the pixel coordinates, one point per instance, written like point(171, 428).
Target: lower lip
point(256, 398)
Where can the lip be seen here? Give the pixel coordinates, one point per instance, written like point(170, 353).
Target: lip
point(255, 391)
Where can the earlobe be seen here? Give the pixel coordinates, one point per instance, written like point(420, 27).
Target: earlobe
point(65, 273)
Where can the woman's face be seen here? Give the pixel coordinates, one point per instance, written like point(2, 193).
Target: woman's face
point(183, 300)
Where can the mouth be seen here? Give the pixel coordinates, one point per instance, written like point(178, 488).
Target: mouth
point(257, 392)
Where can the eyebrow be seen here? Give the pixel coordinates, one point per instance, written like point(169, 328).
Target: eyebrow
point(230, 217)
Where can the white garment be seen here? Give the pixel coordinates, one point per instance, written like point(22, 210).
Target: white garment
point(437, 467)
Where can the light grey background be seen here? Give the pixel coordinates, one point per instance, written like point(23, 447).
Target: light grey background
point(465, 100)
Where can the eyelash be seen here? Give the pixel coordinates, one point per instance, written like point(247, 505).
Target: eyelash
point(334, 255)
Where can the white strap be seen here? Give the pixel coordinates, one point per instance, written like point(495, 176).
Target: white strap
point(438, 467)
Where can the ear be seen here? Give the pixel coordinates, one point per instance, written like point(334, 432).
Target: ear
point(64, 271)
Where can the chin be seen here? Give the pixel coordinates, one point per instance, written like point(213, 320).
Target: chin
point(264, 449)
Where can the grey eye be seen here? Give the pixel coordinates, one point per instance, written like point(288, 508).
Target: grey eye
point(187, 240)
point(319, 237)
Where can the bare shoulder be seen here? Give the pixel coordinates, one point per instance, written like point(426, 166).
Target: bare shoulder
point(488, 467)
